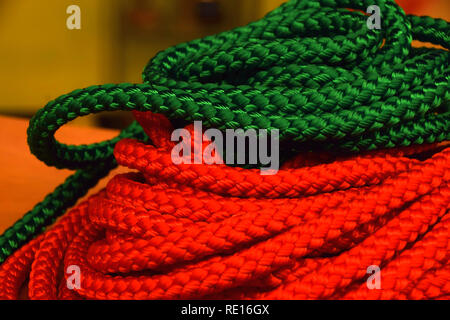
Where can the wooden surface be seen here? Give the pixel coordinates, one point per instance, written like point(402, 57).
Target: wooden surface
point(24, 180)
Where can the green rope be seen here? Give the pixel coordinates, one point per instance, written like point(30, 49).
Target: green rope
point(310, 68)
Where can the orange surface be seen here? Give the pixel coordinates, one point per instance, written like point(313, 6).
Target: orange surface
point(432, 8)
point(24, 179)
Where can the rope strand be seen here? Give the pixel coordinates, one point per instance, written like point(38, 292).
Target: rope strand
point(213, 231)
point(360, 114)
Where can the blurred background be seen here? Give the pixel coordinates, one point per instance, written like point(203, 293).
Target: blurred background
point(41, 59)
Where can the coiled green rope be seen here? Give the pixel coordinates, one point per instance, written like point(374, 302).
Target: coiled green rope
point(311, 69)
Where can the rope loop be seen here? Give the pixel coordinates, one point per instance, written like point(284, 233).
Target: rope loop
point(198, 231)
point(311, 69)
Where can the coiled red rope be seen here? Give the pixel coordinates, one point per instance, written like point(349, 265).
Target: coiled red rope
point(212, 231)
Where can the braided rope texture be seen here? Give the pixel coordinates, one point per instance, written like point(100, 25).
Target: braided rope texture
point(311, 69)
point(213, 231)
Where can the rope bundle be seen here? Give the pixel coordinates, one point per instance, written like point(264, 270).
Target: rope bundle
point(314, 71)
point(213, 231)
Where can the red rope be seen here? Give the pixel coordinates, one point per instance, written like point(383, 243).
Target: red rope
point(213, 231)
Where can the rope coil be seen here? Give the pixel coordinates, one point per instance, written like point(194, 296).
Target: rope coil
point(310, 69)
point(212, 231)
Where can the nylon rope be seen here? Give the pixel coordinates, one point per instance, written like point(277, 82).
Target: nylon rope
point(213, 231)
point(311, 69)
